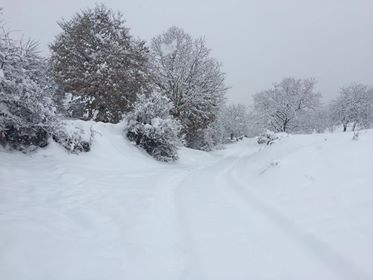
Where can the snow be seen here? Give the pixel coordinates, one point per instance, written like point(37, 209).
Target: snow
point(301, 208)
point(168, 48)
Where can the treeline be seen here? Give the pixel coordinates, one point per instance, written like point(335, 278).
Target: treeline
point(169, 92)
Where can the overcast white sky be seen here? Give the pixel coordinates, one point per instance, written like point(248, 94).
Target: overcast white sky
point(258, 41)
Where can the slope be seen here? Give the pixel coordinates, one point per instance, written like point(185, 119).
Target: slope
point(299, 209)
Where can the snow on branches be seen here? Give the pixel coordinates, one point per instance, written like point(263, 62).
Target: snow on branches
point(100, 64)
point(27, 114)
point(151, 127)
point(279, 108)
point(184, 71)
point(353, 106)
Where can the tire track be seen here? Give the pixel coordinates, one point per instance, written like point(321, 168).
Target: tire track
point(339, 264)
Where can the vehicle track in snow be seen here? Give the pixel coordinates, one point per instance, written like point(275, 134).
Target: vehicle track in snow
point(232, 232)
point(287, 211)
point(342, 268)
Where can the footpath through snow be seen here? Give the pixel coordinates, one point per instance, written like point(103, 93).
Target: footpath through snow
point(299, 209)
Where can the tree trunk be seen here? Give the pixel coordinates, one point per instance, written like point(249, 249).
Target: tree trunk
point(285, 126)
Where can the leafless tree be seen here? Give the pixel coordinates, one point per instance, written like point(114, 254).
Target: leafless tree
point(278, 108)
point(184, 71)
point(353, 106)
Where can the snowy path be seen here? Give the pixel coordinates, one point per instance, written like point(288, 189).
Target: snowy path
point(236, 235)
point(279, 212)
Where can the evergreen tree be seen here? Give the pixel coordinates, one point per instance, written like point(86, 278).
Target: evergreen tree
point(99, 64)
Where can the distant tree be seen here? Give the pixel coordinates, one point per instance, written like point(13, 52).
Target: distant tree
point(213, 135)
point(27, 113)
point(353, 106)
point(184, 71)
point(235, 118)
point(151, 127)
point(311, 121)
point(232, 122)
point(278, 108)
point(99, 64)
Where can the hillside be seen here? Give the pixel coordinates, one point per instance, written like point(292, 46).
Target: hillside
point(301, 208)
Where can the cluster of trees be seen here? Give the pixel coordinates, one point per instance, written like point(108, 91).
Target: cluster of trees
point(170, 92)
point(294, 106)
point(98, 71)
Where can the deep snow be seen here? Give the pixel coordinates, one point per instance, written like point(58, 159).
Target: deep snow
point(299, 209)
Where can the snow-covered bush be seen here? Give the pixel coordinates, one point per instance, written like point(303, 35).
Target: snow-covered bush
point(151, 127)
point(268, 138)
point(74, 137)
point(27, 113)
point(24, 139)
point(100, 64)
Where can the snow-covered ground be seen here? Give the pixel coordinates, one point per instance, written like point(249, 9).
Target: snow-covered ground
point(299, 209)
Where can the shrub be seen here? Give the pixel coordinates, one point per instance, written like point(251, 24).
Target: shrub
point(27, 112)
point(152, 128)
point(267, 138)
point(74, 137)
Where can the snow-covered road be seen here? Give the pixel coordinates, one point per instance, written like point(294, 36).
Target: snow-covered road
point(236, 234)
point(300, 209)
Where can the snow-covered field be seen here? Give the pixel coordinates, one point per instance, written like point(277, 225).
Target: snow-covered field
point(299, 209)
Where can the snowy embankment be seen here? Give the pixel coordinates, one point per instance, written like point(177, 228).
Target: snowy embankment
point(299, 209)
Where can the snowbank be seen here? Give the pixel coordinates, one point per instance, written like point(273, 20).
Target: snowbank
point(298, 209)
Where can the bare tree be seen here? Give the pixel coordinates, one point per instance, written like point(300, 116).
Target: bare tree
point(353, 106)
point(311, 121)
point(278, 108)
point(184, 71)
point(235, 118)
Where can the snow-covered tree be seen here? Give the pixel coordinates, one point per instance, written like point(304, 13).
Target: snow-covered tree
point(184, 71)
point(235, 118)
point(27, 113)
point(213, 135)
point(278, 108)
point(311, 121)
point(353, 106)
point(151, 127)
point(231, 123)
point(99, 65)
